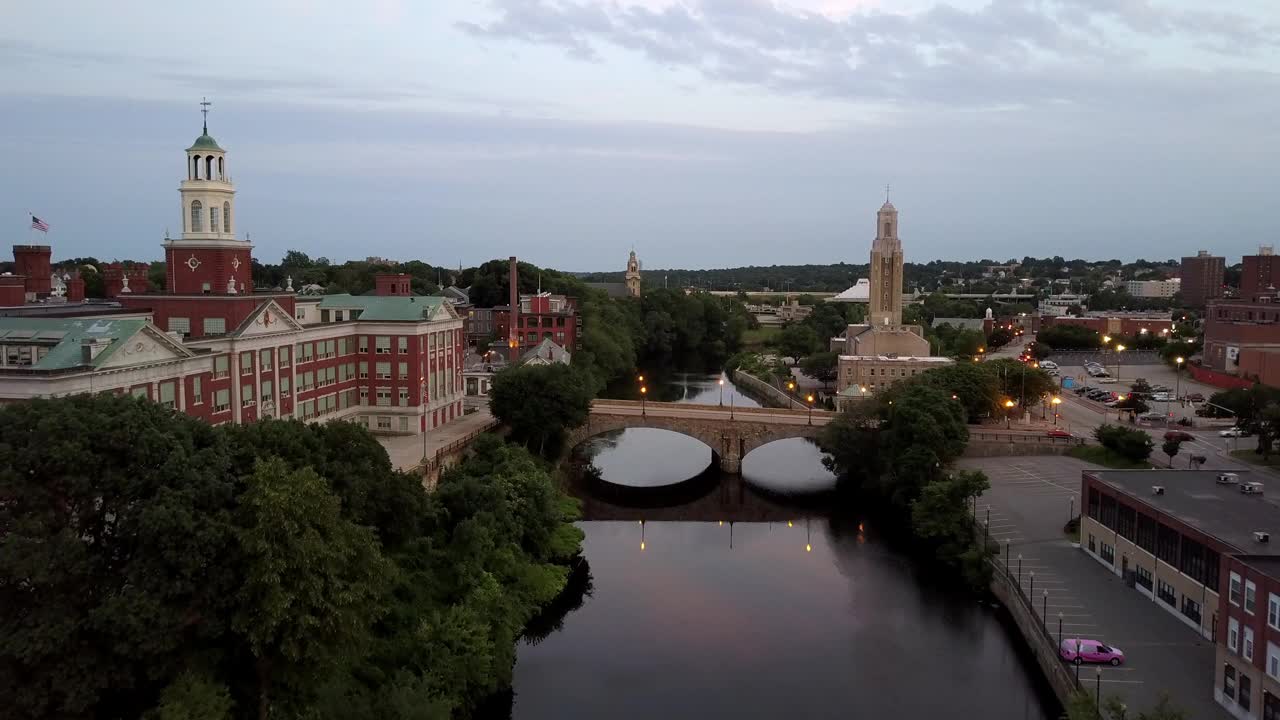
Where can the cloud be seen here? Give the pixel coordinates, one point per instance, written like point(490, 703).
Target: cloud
point(1006, 53)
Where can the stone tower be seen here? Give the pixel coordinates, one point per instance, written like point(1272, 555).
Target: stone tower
point(886, 269)
point(632, 278)
point(207, 259)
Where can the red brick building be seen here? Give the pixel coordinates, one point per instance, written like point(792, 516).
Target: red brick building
point(1260, 275)
point(540, 316)
point(1117, 324)
point(214, 349)
point(1243, 339)
point(1202, 278)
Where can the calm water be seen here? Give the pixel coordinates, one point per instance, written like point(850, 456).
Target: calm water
point(717, 597)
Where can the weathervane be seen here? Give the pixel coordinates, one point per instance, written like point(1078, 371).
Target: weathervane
point(204, 108)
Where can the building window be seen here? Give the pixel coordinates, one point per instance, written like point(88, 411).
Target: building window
point(220, 368)
point(246, 363)
point(364, 343)
point(215, 326)
point(364, 396)
point(1273, 660)
point(1229, 680)
point(1092, 544)
point(1234, 590)
point(1273, 611)
point(364, 370)
point(343, 348)
point(1244, 696)
point(1165, 592)
point(1108, 554)
point(222, 401)
point(383, 344)
point(299, 313)
point(1191, 609)
point(213, 219)
point(1246, 649)
point(267, 391)
point(180, 325)
point(1233, 635)
point(384, 422)
point(384, 397)
point(402, 343)
point(265, 361)
point(197, 216)
point(404, 371)
point(404, 397)
point(284, 356)
point(284, 386)
point(197, 396)
point(167, 398)
point(1270, 706)
point(383, 370)
point(1250, 596)
point(246, 395)
point(404, 424)
point(1143, 577)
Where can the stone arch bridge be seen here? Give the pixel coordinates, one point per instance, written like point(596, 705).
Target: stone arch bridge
point(730, 432)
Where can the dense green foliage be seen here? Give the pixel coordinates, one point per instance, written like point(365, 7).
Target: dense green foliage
point(823, 367)
point(1130, 443)
point(540, 403)
point(689, 331)
point(1084, 706)
point(897, 448)
point(797, 341)
point(154, 566)
point(1069, 337)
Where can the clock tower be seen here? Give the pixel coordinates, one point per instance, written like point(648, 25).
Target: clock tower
point(207, 259)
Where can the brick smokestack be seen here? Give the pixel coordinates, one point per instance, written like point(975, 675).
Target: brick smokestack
point(513, 331)
point(33, 262)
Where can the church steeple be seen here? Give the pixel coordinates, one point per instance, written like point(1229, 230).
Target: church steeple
point(632, 276)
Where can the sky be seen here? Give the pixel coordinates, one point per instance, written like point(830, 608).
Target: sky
point(701, 133)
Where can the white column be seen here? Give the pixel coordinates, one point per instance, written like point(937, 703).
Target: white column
point(182, 393)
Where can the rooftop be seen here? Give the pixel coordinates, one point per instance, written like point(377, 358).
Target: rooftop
point(1196, 499)
point(388, 308)
point(1265, 564)
point(63, 338)
point(901, 358)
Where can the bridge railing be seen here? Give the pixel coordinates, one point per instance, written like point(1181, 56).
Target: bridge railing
point(1025, 437)
point(604, 405)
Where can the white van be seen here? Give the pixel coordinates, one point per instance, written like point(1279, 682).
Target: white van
point(1048, 365)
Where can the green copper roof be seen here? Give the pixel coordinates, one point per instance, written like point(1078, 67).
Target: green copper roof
point(204, 142)
point(68, 334)
point(375, 308)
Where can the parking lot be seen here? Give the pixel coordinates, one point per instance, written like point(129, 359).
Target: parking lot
point(1030, 500)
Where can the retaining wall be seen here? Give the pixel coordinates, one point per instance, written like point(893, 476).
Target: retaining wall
point(1044, 646)
point(766, 393)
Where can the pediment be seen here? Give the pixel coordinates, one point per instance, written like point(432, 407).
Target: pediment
point(144, 347)
point(268, 319)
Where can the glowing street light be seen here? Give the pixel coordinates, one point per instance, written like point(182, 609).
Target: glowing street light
point(809, 399)
point(643, 392)
point(721, 392)
point(1056, 402)
point(1008, 404)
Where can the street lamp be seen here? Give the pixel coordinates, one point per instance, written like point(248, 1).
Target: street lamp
point(809, 399)
point(643, 391)
point(1056, 402)
point(1044, 612)
point(1008, 404)
point(1031, 592)
point(721, 392)
point(1119, 349)
point(1177, 387)
point(1059, 625)
point(1098, 705)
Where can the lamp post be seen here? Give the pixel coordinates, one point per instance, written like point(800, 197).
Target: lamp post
point(1044, 611)
point(1177, 383)
point(809, 399)
point(1056, 402)
point(1059, 628)
point(1019, 572)
point(1031, 593)
point(1119, 349)
point(422, 394)
point(1008, 405)
point(1006, 554)
point(1078, 662)
point(721, 392)
point(1098, 701)
point(643, 391)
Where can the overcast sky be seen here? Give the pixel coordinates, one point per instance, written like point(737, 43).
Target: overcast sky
point(703, 133)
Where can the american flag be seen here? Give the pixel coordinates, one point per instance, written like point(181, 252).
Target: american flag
point(39, 224)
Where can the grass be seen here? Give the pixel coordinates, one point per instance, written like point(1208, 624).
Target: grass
point(1106, 457)
point(1248, 455)
point(758, 338)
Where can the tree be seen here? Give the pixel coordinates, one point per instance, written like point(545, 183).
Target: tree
point(941, 515)
point(975, 386)
point(1069, 337)
point(311, 579)
point(1130, 443)
point(115, 544)
point(540, 403)
point(798, 341)
point(193, 696)
point(999, 337)
point(823, 366)
point(1024, 384)
point(1170, 448)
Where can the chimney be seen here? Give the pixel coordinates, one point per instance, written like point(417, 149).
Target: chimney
point(392, 284)
point(91, 347)
point(75, 289)
point(13, 290)
point(33, 261)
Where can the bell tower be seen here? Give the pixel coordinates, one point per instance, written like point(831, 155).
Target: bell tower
point(886, 269)
point(207, 259)
point(632, 276)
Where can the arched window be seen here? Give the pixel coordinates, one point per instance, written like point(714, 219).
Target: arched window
point(220, 175)
point(208, 167)
point(194, 169)
point(213, 219)
point(887, 232)
point(226, 217)
point(196, 215)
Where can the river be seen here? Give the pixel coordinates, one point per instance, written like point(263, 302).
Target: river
point(725, 597)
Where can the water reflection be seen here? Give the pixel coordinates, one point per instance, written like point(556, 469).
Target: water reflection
point(810, 618)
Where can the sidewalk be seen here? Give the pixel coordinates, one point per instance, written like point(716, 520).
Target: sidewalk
point(406, 451)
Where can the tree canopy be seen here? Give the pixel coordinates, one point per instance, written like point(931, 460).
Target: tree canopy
point(540, 403)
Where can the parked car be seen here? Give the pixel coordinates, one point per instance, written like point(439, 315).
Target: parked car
point(1162, 397)
point(1195, 397)
point(1058, 433)
point(1160, 388)
point(1048, 365)
point(1179, 435)
point(1233, 432)
point(1152, 416)
point(1079, 650)
point(1105, 378)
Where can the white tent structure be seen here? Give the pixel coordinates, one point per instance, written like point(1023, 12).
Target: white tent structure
point(859, 293)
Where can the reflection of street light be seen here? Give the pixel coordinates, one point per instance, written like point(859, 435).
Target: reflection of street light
point(809, 399)
point(1056, 402)
point(642, 535)
point(807, 546)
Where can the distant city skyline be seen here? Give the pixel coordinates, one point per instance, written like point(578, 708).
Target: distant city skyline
point(703, 133)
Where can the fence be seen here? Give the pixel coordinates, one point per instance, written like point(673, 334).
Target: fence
point(1077, 358)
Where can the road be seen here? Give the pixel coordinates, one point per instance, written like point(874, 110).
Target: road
point(712, 412)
